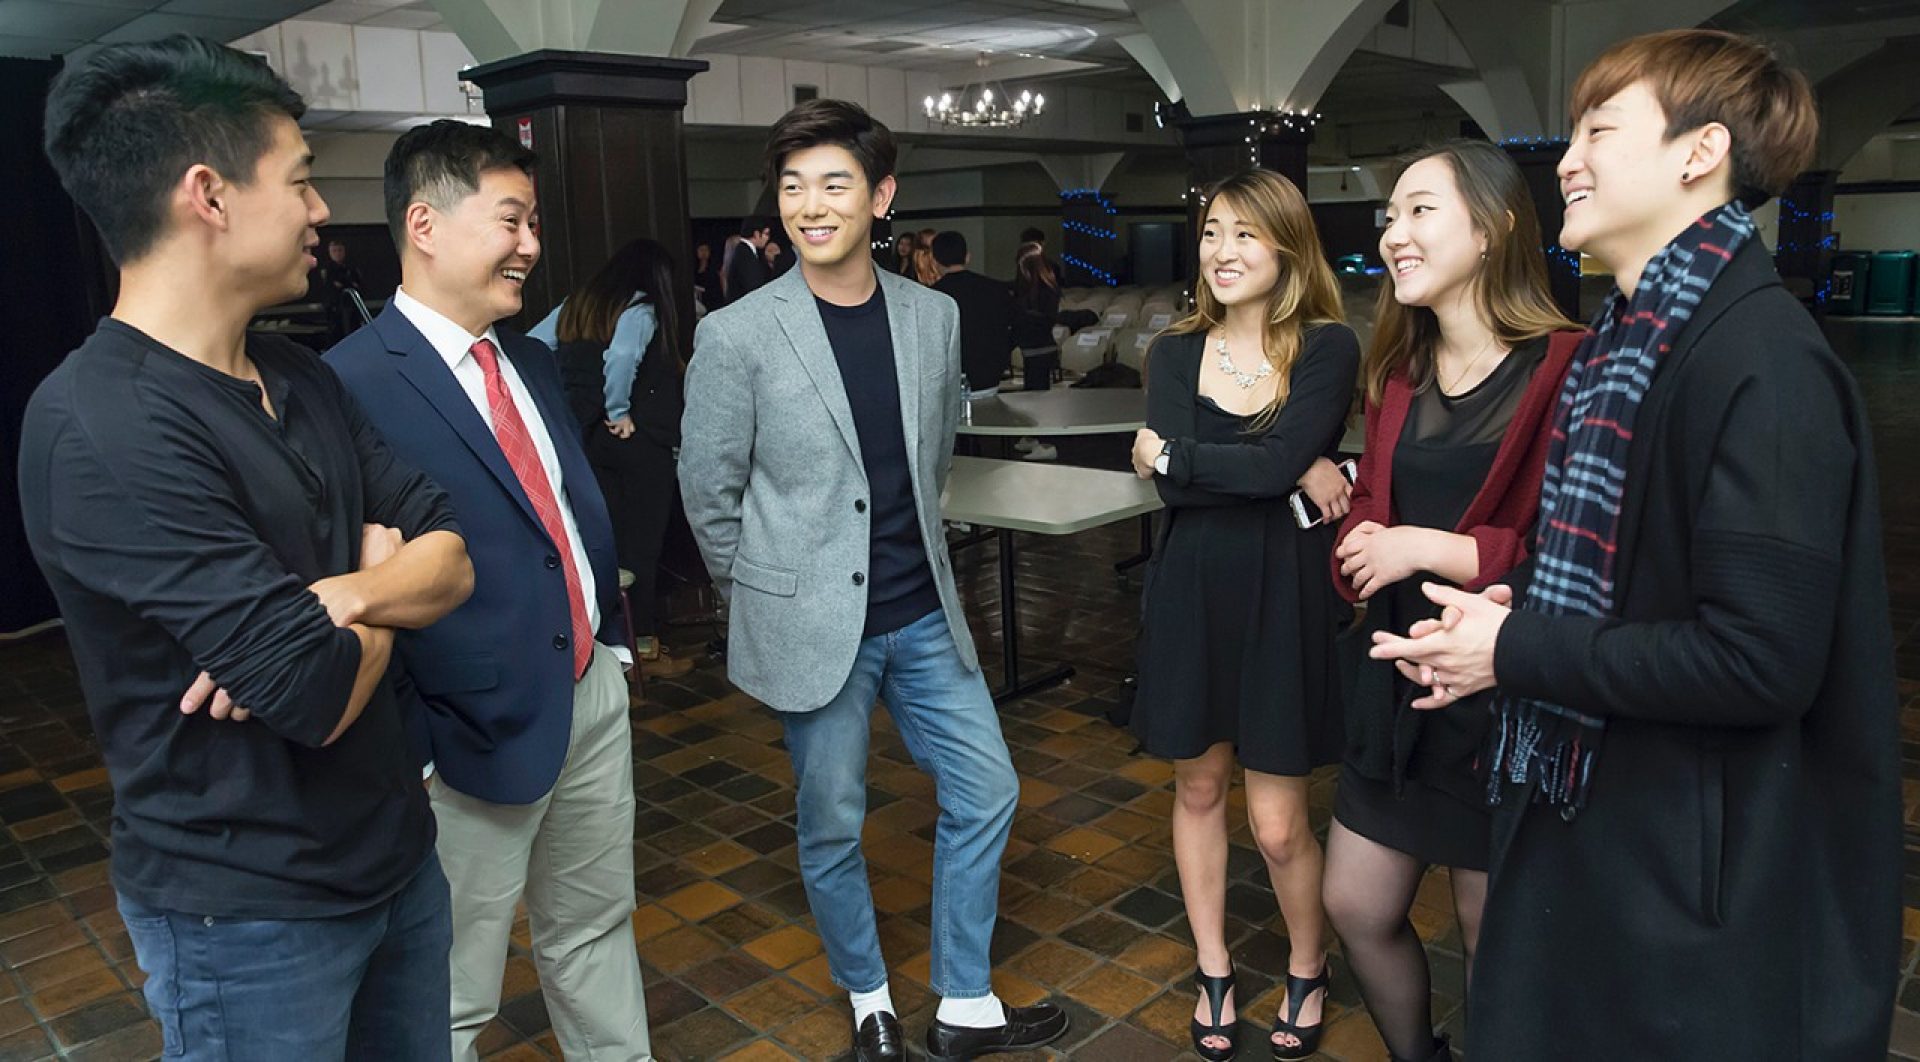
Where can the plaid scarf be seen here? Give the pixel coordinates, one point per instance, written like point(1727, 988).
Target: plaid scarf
point(1577, 535)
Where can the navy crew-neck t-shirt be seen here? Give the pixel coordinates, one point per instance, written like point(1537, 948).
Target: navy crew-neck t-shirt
point(900, 586)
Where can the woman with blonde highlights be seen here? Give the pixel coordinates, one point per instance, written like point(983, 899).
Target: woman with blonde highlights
point(1465, 365)
point(1246, 400)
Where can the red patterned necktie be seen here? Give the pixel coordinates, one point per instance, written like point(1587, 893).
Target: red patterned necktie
point(517, 443)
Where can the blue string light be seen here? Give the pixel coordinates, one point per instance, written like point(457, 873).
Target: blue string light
point(1533, 141)
point(1089, 230)
point(1099, 274)
point(1090, 193)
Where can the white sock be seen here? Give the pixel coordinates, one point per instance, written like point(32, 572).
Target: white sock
point(980, 1012)
point(866, 1004)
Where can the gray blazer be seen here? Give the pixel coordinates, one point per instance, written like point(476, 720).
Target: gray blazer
point(775, 489)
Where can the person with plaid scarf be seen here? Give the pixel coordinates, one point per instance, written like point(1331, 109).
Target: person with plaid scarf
point(1694, 757)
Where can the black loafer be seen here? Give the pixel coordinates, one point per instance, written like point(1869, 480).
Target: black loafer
point(1026, 1028)
point(879, 1039)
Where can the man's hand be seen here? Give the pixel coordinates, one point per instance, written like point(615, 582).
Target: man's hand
point(621, 428)
point(1146, 450)
point(344, 598)
point(223, 706)
point(1452, 655)
point(1373, 556)
point(378, 544)
point(1328, 489)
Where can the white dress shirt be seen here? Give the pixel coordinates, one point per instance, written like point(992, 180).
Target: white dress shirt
point(454, 346)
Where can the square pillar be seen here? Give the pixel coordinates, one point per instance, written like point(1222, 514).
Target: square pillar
point(1539, 158)
point(1805, 249)
point(612, 144)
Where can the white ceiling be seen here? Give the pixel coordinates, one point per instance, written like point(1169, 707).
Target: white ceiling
point(37, 29)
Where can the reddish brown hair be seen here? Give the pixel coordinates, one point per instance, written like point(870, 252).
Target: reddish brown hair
point(1701, 76)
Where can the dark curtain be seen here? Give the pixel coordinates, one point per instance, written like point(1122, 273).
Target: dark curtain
point(52, 285)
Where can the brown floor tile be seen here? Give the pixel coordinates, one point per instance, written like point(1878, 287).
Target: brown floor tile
point(498, 1036)
point(31, 919)
point(816, 975)
point(742, 922)
point(897, 894)
point(95, 776)
point(97, 1020)
point(1169, 1015)
point(772, 1003)
point(1159, 958)
point(142, 1041)
point(520, 1052)
point(24, 1045)
point(651, 920)
point(1112, 991)
point(760, 1051)
point(1095, 887)
point(784, 947)
point(717, 859)
point(681, 949)
point(700, 900)
point(708, 1034)
point(53, 822)
point(14, 1016)
point(42, 943)
point(1052, 962)
point(74, 962)
point(826, 1033)
point(1123, 1043)
point(722, 977)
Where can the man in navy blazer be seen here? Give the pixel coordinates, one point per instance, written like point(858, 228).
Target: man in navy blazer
point(520, 703)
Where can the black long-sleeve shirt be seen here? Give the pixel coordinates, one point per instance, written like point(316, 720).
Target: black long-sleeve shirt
point(180, 526)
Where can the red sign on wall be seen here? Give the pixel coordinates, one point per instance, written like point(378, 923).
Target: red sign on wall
point(526, 133)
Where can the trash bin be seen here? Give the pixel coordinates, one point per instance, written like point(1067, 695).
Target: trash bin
point(1847, 292)
point(1890, 288)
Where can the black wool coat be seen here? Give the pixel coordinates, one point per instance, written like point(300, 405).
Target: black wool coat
point(1732, 888)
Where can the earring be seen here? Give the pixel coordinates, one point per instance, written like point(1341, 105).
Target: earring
point(1686, 176)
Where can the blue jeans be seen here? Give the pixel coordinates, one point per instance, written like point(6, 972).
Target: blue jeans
point(368, 985)
point(947, 719)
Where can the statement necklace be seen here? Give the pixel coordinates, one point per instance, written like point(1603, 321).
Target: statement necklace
point(1246, 380)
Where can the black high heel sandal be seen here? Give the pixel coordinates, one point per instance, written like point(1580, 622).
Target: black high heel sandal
point(1298, 989)
point(1216, 989)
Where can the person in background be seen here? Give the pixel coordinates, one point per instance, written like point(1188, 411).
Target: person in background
point(904, 246)
point(335, 278)
point(519, 701)
point(1696, 737)
point(925, 269)
point(1466, 364)
point(744, 270)
point(778, 260)
point(1246, 401)
point(819, 432)
point(233, 546)
point(706, 278)
point(1036, 309)
point(619, 343)
point(1032, 237)
point(986, 315)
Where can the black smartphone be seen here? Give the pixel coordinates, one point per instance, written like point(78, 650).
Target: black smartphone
point(1307, 514)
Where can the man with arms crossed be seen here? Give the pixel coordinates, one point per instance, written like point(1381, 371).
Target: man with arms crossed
point(231, 545)
point(523, 706)
point(818, 432)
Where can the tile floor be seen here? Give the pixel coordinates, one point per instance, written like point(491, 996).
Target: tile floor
point(1090, 909)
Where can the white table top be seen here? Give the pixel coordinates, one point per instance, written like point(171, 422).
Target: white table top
point(1044, 498)
point(1059, 411)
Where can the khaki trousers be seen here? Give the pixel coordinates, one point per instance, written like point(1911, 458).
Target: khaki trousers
point(571, 854)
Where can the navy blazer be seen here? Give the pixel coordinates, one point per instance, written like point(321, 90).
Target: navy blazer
point(492, 682)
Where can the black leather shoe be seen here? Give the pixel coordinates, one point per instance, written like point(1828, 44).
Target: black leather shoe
point(1026, 1028)
point(879, 1039)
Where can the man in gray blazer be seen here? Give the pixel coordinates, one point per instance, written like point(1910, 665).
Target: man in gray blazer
point(818, 432)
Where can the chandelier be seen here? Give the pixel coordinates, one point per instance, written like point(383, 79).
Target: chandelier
point(991, 108)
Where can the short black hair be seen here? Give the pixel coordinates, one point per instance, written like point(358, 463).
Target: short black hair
point(440, 163)
point(1032, 235)
point(125, 122)
point(950, 248)
point(754, 225)
point(836, 122)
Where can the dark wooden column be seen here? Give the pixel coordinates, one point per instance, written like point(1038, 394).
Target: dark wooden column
point(1222, 145)
point(1539, 161)
point(612, 146)
point(1805, 249)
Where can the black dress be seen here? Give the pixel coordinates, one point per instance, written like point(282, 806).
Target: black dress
point(1409, 780)
point(1238, 611)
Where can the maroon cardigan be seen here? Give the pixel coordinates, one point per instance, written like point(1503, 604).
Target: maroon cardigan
point(1500, 517)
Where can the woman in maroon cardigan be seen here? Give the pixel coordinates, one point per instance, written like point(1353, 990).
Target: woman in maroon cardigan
point(1466, 363)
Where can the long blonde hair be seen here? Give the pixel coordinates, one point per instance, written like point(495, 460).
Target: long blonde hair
point(1510, 288)
point(1306, 293)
